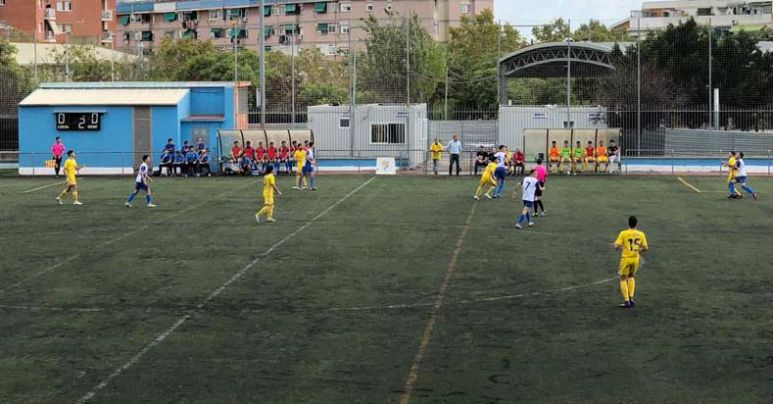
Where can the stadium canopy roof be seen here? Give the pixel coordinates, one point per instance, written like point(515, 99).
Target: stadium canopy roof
point(550, 59)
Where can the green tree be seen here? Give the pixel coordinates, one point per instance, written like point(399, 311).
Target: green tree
point(474, 49)
point(595, 31)
point(384, 69)
point(557, 31)
point(15, 82)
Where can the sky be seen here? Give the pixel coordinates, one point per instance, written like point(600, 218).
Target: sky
point(578, 11)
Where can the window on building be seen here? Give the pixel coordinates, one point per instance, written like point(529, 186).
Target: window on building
point(322, 28)
point(2, 2)
point(369, 7)
point(279, 9)
point(67, 28)
point(292, 9)
point(64, 5)
point(268, 31)
point(217, 33)
point(343, 122)
point(346, 7)
point(387, 133)
point(237, 14)
point(389, 6)
point(465, 8)
point(320, 7)
point(344, 28)
point(170, 34)
point(215, 15)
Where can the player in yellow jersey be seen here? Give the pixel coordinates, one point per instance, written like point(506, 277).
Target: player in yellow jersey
point(71, 169)
point(269, 189)
point(632, 242)
point(732, 172)
point(300, 160)
point(487, 179)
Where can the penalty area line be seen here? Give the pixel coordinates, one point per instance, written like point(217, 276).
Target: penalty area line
point(688, 185)
point(182, 320)
point(43, 187)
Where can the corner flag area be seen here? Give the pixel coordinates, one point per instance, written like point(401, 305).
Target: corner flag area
point(383, 289)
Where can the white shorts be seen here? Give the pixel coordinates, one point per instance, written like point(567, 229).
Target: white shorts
point(614, 158)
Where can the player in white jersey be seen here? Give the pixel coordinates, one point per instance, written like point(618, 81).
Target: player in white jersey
point(530, 185)
point(501, 172)
point(740, 176)
point(142, 183)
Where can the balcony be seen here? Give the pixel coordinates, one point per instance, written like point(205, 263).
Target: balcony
point(107, 15)
point(49, 14)
point(50, 37)
point(107, 37)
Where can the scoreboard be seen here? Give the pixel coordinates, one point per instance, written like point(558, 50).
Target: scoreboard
point(85, 121)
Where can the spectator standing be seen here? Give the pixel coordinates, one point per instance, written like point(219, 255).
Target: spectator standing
point(57, 151)
point(455, 151)
point(436, 150)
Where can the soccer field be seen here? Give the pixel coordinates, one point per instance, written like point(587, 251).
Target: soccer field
point(383, 289)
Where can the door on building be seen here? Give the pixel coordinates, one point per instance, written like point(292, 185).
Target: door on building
point(202, 133)
point(143, 141)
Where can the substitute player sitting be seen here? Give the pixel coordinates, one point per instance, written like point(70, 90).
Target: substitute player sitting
point(269, 190)
point(578, 157)
point(566, 158)
point(601, 156)
point(554, 157)
point(614, 153)
point(142, 183)
point(632, 242)
point(590, 156)
point(71, 169)
point(487, 179)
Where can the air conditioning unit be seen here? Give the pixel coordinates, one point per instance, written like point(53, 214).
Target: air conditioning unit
point(244, 19)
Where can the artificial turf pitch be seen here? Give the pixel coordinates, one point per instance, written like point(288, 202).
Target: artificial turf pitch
point(337, 311)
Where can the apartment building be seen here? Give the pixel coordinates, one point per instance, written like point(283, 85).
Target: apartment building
point(732, 15)
point(62, 21)
point(290, 25)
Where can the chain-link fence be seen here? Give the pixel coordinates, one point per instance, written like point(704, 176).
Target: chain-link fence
point(686, 88)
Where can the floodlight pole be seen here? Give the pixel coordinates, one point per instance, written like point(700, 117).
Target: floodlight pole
point(262, 100)
point(711, 114)
point(568, 83)
point(638, 79)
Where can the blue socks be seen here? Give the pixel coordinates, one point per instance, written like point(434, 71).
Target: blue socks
point(131, 197)
point(520, 218)
point(731, 187)
point(748, 189)
point(499, 188)
point(147, 198)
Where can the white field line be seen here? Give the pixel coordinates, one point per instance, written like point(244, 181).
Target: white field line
point(437, 306)
point(103, 244)
point(688, 185)
point(182, 320)
point(43, 187)
point(340, 309)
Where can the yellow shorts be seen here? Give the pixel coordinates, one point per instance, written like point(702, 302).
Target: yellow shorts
point(628, 266)
point(603, 160)
point(268, 200)
point(487, 180)
point(71, 181)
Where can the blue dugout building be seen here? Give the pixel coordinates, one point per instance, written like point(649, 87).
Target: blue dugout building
point(110, 125)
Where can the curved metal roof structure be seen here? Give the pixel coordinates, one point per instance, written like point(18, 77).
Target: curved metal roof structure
point(548, 60)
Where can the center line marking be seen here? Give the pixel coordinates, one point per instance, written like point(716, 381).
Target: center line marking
point(43, 187)
point(689, 185)
point(440, 298)
point(182, 320)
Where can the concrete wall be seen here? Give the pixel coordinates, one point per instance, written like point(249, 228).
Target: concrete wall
point(514, 119)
